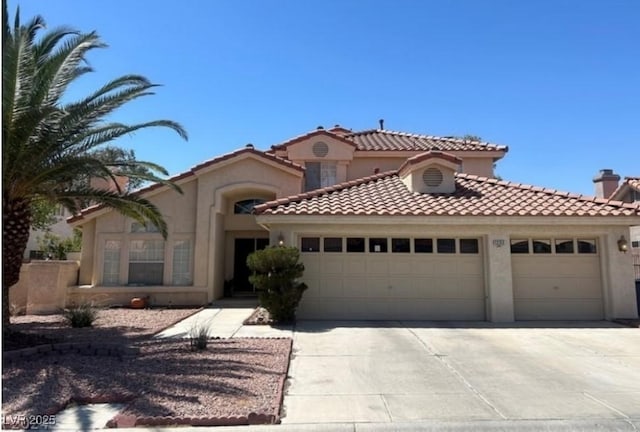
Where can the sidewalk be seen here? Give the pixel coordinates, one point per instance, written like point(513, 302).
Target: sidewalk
point(224, 319)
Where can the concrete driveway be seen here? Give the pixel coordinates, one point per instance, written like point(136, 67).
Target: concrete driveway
point(382, 372)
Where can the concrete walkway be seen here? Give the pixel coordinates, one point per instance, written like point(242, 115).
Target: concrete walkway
point(225, 322)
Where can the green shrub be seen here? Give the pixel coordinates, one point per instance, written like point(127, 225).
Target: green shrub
point(81, 316)
point(276, 271)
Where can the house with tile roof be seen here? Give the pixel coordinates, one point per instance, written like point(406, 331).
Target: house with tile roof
point(390, 225)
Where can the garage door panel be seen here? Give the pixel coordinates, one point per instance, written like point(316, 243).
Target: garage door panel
point(313, 287)
point(355, 287)
point(394, 286)
point(557, 287)
point(403, 287)
point(559, 309)
point(557, 265)
point(400, 267)
point(354, 264)
point(567, 288)
point(377, 265)
point(332, 287)
point(332, 264)
point(310, 265)
point(424, 266)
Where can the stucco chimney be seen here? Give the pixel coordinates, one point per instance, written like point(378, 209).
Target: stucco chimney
point(606, 182)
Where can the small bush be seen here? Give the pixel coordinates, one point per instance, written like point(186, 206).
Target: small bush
point(276, 271)
point(81, 316)
point(199, 336)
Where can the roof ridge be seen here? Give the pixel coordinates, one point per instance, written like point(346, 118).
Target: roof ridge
point(429, 137)
point(305, 135)
point(549, 191)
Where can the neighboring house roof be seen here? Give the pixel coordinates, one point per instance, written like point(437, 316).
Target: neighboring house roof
point(385, 140)
point(385, 194)
point(629, 183)
point(192, 172)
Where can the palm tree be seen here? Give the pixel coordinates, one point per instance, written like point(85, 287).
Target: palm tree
point(48, 143)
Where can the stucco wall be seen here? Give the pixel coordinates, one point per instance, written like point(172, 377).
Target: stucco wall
point(43, 286)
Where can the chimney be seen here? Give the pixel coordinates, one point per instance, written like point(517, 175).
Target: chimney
point(606, 182)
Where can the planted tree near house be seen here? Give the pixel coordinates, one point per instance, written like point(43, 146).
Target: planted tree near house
point(276, 271)
point(48, 142)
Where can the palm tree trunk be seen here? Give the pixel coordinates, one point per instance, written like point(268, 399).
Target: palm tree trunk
point(16, 221)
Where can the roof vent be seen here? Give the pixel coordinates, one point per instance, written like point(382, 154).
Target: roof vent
point(320, 149)
point(320, 127)
point(381, 122)
point(249, 146)
point(432, 177)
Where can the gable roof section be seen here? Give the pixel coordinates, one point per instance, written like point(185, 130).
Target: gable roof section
point(316, 133)
point(385, 195)
point(431, 154)
point(385, 140)
point(191, 173)
point(632, 183)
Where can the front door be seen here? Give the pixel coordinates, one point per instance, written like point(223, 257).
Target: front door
point(244, 247)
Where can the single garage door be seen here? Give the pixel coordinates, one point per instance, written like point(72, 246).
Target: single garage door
point(367, 278)
point(556, 279)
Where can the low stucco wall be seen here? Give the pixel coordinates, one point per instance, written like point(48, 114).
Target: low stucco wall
point(121, 295)
point(43, 286)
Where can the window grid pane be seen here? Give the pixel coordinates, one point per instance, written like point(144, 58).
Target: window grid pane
point(146, 251)
point(146, 262)
point(333, 244)
point(111, 268)
point(182, 263)
point(310, 244)
point(447, 246)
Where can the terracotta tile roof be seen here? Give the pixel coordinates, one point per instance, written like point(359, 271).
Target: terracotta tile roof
point(191, 172)
point(632, 183)
point(385, 194)
point(386, 140)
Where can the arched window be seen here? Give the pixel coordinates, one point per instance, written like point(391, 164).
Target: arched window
point(246, 206)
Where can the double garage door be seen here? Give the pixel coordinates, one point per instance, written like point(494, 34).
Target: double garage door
point(393, 279)
point(552, 280)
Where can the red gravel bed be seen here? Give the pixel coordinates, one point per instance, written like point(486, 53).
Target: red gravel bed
point(113, 325)
point(233, 381)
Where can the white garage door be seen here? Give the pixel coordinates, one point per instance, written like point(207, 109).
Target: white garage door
point(392, 279)
point(556, 279)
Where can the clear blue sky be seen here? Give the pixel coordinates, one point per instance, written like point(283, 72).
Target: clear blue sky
point(558, 81)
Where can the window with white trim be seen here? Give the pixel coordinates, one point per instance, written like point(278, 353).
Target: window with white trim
point(146, 262)
point(182, 253)
point(111, 263)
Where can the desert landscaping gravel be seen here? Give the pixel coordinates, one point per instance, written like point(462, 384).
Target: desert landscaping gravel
point(231, 378)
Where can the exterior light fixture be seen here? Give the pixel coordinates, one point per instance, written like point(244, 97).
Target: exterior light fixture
point(623, 244)
point(280, 240)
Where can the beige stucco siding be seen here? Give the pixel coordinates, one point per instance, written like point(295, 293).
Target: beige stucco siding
point(478, 166)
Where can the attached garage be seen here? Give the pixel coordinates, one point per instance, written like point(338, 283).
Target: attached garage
point(556, 279)
point(392, 279)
